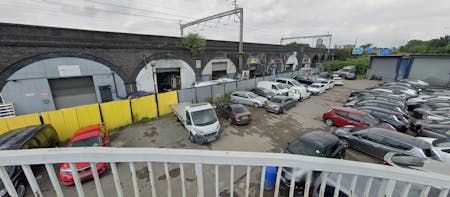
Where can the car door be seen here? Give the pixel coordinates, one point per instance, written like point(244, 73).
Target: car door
point(356, 120)
point(368, 143)
point(341, 118)
point(246, 99)
point(391, 145)
point(274, 89)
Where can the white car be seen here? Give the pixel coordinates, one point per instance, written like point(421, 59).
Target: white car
point(316, 88)
point(440, 147)
point(328, 83)
point(248, 98)
point(338, 81)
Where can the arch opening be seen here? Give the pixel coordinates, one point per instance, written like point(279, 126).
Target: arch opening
point(219, 68)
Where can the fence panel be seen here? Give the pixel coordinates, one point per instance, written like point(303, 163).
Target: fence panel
point(269, 78)
point(259, 79)
point(17, 122)
point(187, 95)
point(65, 122)
point(251, 83)
point(218, 90)
point(116, 113)
point(230, 87)
point(203, 93)
point(165, 100)
point(144, 107)
point(88, 115)
point(242, 85)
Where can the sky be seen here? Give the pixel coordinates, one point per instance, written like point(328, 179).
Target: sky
point(384, 23)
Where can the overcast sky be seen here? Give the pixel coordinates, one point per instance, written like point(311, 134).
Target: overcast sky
point(382, 22)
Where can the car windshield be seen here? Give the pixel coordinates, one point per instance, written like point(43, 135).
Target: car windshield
point(203, 117)
point(252, 95)
point(88, 142)
point(280, 86)
point(300, 147)
point(276, 100)
point(372, 119)
point(239, 109)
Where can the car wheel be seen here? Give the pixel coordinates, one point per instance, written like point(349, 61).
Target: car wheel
point(21, 188)
point(191, 137)
point(235, 101)
point(329, 122)
point(255, 105)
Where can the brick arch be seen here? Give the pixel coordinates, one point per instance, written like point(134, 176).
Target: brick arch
point(163, 55)
point(10, 70)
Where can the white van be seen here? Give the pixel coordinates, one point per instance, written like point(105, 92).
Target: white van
point(299, 88)
point(274, 87)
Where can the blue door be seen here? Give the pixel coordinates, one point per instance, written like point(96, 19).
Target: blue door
point(405, 65)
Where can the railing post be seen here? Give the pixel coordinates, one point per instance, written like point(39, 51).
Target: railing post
point(199, 175)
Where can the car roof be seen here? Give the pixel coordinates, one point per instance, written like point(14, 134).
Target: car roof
point(15, 139)
point(86, 132)
point(320, 139)
point(234, 105)
point(281, 97)
point(380, 109)
point(349, 110)
point(413, 141)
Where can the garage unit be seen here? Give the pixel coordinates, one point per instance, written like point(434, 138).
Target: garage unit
point(384, 66)
point(432, 69)
point(70, 92)
point(218, 68)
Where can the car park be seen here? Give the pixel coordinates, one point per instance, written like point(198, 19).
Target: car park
point(41, 136)
point(315, 143)
point(199, 120)
point(237, 114)
point(280, 104)
point(440, 147)
point(316, 88)
point(90, 136)
point(263, 92)
point(248, 98)
point(378, 141)
point(275, 87)
point(343, 116)
point(398, 122)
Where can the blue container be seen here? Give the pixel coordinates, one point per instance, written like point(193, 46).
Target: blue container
point(270, 177)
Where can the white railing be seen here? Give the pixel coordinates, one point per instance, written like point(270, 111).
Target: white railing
point(7, 110)
point(208, 183)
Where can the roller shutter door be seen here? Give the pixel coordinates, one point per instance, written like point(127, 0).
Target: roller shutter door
point(385, 67)
point(70, 92)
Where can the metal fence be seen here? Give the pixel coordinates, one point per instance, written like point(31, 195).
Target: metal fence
point(201, 173)
point(212, 92)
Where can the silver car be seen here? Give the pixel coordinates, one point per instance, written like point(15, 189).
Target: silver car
point(377, 142)
point(248, 98)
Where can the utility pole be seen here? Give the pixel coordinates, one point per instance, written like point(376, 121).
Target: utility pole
point(239, 12)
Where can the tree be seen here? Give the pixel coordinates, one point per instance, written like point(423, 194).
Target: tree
point(343, 54)
point(368, 45)
point(295, 44)
point(433, 46)
point(195, 43)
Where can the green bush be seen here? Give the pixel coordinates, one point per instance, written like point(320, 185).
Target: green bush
point(361, 63)
point(195, 43)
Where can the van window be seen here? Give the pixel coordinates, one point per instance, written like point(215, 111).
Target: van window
point(274, 87)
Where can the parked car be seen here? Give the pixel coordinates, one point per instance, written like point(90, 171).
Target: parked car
point(418, 101)
point(440, 147)
point(263, 92)
point(296, 90)
point(338, 81)
point(316, 143)
point(389, 98)
point(398, 122)
point(137, 94)
point(408, 91)
point(90, 136)
point(439, 133)
point(378, 141)
point(346, 70)
point(316, 88)
point(381, 104)
point(418, 124)
point(343, 116)
point(248, 98)
point(274, 87)
point(324, 74)
point(42, 136)
point(416, 82)
point(384, 90)
point(328, 83)
point(403, 160)
point(236, 113)
point(304, 80)
point(422, 111)
point(396, 113)
point(355, 94)
point(280, 104)
point(351, 76)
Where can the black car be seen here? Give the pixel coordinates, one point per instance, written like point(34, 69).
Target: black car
point(387, 106)
point(398, 122)
point(377, 102)
point(263, 92)
point(396, 113)
point(42, 136)
point(439, 133)
point(316, 143)
point(236, 113)
point(418, 124)
point(392, 99)
point(137, 94)
point(280, 104)
point(420, 111)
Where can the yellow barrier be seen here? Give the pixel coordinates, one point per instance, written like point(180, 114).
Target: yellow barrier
point(116, 113)
point(165, 100)
point(12, 123)
point(67, 121)
point(144, 107)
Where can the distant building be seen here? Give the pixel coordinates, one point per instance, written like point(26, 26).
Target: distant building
point(319, 43)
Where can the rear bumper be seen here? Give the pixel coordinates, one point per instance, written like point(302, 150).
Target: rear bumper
point(273, 110)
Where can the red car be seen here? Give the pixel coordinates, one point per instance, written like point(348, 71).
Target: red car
point(91, 136)
point(344, 116)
